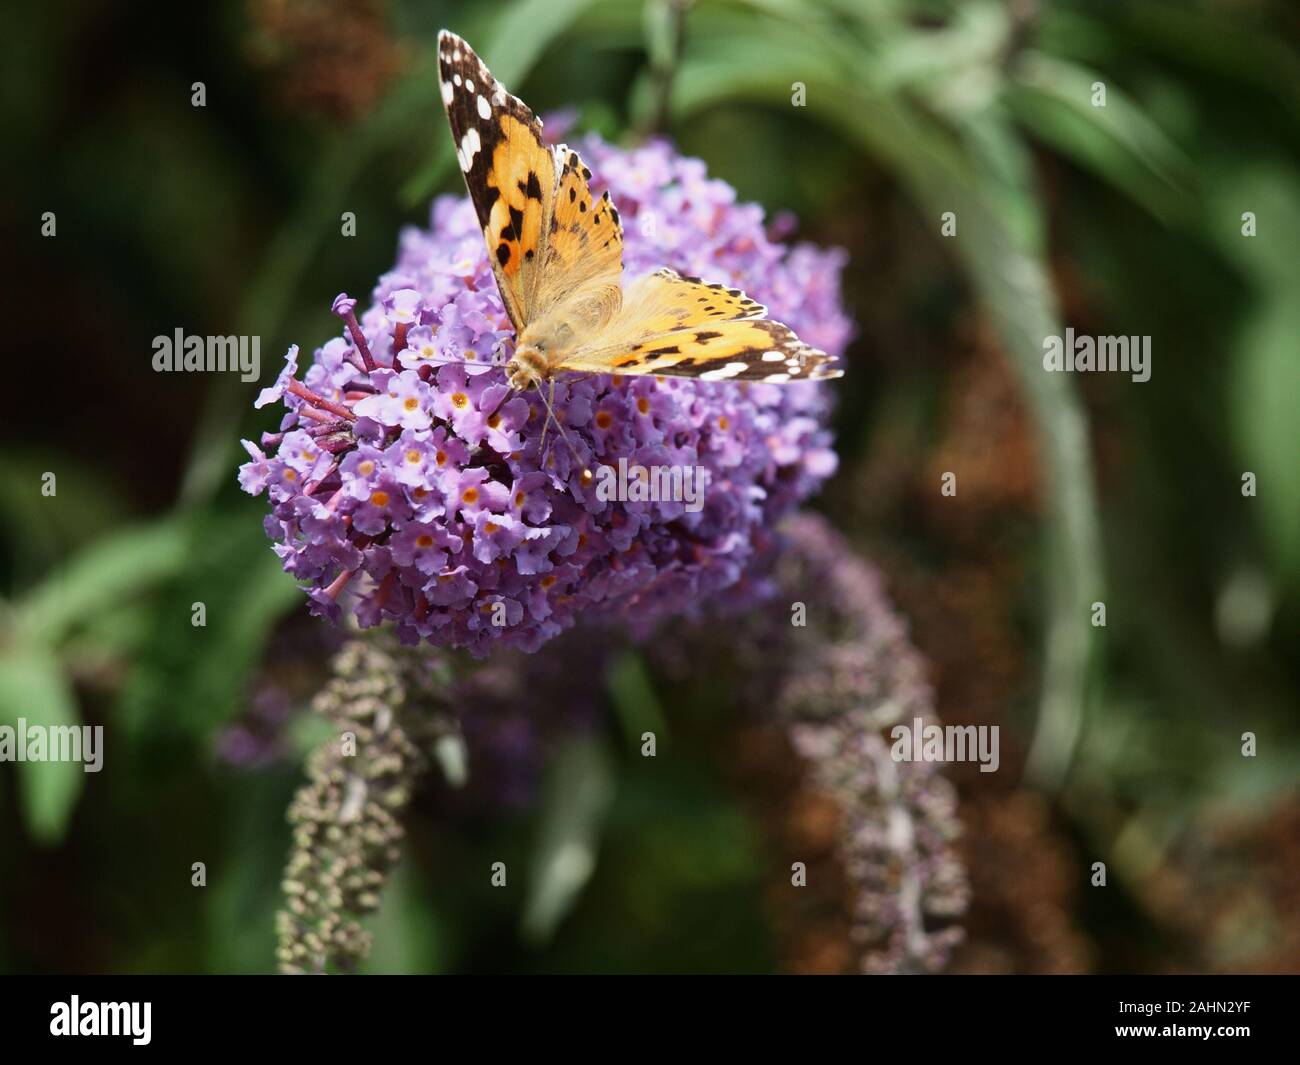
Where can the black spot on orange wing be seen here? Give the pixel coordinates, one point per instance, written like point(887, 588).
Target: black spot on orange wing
point(504, 161)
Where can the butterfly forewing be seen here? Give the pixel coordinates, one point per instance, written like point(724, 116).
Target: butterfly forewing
point(509, 170)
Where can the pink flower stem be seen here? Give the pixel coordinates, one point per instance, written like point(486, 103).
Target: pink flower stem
point(303, 392)
point(325, 428)
point(340, 582)
point(335, 447)
point(311, 486)
point(359, 339)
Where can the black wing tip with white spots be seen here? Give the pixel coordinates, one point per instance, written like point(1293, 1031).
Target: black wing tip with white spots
point(789, 360)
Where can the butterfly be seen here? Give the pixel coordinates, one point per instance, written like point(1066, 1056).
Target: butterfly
point(558, 260)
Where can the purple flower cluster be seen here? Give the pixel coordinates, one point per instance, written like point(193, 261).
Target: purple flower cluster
point(841, 683)
point(408, 479)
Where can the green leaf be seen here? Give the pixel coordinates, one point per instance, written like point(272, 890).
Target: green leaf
point(33, 689)
point(578, 793)
point(1262, 382)
point(1119, 142)
point(1005, 265)
point(1264, 395)
point(40, 530)
point(633, 696)
point(193, 678)
point(100, 576)
point(408, 936)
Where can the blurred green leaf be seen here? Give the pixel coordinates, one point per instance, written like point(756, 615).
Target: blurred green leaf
point(33, 688)
point(39, 530)
point(406, 930)
point(1266, 419)
point(193, 678)
point(946, 62)
point(1237, 49)
point(1004, 262)
point(579, 790)
point(633, 696)
point(99, 577)
point(1264, 385)
point(1119, 141)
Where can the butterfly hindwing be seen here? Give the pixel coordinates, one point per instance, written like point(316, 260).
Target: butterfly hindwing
point(585, 234)
point(675, 326)
point(582, 273)
point(509, 170)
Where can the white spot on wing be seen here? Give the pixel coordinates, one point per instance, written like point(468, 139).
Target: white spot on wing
point(469, 146)
point(773, 356)
point(777, 378)
point(448, 91)
point(721, 374)
point(484, 108)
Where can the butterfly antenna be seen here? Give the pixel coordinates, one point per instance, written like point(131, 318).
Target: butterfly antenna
point(550, 417)
point(546, 425)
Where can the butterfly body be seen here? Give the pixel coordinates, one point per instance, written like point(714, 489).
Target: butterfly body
point(556, 252)
point(546, 345)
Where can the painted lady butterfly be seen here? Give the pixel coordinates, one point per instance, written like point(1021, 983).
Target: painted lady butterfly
point(558, 261)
